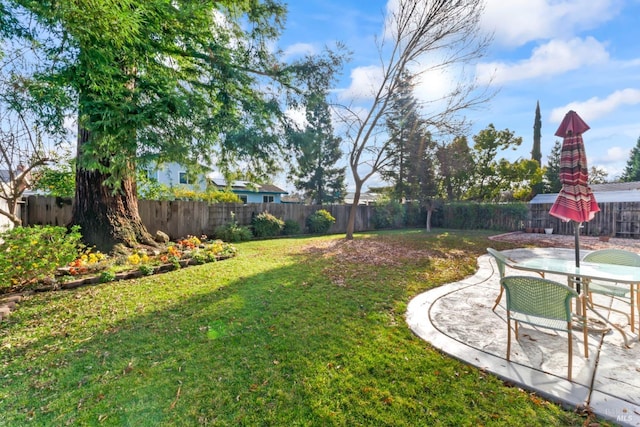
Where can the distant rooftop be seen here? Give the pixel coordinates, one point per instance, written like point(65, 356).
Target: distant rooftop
point(604, 193)
point(616, 186)
point(249, 186)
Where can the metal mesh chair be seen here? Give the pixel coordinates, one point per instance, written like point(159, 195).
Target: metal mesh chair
point(539, 302)
point(622, 292)
point(502, 262)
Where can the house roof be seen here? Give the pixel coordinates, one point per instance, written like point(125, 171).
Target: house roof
point(601, 197)
point(616, 186)
point(249, 187)
point(4, 175)
point(365, 197)
point(610, 192)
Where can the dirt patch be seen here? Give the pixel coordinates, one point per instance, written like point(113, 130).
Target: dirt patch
point(366, 251)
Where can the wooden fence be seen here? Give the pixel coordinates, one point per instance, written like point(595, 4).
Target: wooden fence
point(614, 219)
point(181, 218)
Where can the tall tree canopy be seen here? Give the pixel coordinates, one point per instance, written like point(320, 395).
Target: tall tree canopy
point(410, 144)
point(318, 152)
point(632, 170)
point(494, 179)
point(552, 171)
point(160, 80)
point(455, 164)
point(536, 153)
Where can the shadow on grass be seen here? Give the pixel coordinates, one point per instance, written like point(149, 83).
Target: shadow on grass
point(268, 338)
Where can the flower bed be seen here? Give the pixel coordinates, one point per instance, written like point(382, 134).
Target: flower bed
point(95, 267)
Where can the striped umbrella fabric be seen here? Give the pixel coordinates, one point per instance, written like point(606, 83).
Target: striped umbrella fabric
point(575, 202)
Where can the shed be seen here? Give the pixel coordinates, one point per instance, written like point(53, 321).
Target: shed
point(619, 214)
point(601, 197)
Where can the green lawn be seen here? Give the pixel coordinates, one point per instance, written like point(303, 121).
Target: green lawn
point(303, 331)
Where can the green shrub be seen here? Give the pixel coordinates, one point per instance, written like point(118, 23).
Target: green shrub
point(320, 221)
point(146, 270)
point(232, 232)
point(291, 227)
point(414, 215)
point(30, 254)
point(388, 214)
point(107, 276)
point(488, 216)
point(266, 225)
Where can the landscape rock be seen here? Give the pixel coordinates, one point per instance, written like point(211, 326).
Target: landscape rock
point(161, 237)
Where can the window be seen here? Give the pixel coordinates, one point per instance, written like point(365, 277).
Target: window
point(244, 199)
point(184, 178)
point(267, 199)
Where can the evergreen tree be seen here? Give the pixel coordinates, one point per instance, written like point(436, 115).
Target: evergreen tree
point(536, 154)
point(455, 164)
point(552, 172)
point(632, 170)
point(318, 150)
point(409, 152)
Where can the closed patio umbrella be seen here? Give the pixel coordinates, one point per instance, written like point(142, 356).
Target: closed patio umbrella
point(575, 202)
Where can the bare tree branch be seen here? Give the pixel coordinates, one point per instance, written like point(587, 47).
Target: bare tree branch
point(419, 37)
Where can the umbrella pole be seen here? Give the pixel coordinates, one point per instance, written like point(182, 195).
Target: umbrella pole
point(576, 232)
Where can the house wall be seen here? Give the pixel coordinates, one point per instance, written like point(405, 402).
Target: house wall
point(169, 174)
point(5, 223)
point(257, 197)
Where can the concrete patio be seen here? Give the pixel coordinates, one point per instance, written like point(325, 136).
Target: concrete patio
point(457, 319)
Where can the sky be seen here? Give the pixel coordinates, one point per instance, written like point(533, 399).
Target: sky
point(580, 55)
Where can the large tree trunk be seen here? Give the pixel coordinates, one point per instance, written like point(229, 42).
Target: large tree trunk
point(107, 218)
point(351, 222)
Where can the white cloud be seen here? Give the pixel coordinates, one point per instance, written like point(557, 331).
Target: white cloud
point(299, 49)
point(595, 107)
point(616, 154)
point(516, 22)
point(552, 58)
point(364, 83)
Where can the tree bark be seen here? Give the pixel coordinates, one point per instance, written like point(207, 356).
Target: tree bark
point(107, 217)
point(351, 223)
point(429, 213)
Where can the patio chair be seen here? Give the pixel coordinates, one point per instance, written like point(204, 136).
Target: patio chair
point(539, 302)
point(502, 262)
point(621, 292)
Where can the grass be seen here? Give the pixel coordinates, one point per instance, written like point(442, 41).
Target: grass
point(280, 335)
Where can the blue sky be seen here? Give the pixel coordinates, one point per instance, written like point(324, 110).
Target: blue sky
point(567, 54)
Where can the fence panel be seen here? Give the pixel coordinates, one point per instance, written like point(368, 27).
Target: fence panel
point(183, 217)
point(619, 219)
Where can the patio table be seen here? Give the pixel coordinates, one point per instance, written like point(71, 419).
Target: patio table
point(587, 271)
